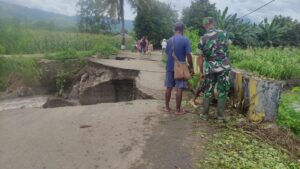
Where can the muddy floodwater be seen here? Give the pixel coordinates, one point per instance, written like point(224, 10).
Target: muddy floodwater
point(23, 102)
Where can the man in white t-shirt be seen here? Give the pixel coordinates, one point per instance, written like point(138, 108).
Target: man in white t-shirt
point(164, 45)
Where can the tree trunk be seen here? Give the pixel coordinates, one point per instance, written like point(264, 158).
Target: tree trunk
point(122, 24)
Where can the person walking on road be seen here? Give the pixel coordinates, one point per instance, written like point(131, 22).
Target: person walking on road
point(214, 67)
point(182, 48)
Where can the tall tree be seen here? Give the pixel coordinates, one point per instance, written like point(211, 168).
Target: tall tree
point(155, 21)
point(193, 15)
point(115, 8)
point(92, 17)
point(290, 31)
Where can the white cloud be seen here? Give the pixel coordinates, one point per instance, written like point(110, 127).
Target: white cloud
point(242, 7)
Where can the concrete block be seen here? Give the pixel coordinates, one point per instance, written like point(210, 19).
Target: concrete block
point(256, 97)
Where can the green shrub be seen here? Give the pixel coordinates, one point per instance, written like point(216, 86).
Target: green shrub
point(194, 38)
point(194, 81)
point(105, 49)
point(18, 68)
point(64, 55)
point(287, 115)
point(60, 82)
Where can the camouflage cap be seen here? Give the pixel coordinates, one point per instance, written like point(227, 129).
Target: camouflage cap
point(207, 20)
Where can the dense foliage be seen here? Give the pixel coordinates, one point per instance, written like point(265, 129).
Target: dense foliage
point(234, 149)
point(281, 31)
point(156, 21)
point(288, 116)
point(193, 15)
point(98, 15)
point(92, 18)
point(192, 34)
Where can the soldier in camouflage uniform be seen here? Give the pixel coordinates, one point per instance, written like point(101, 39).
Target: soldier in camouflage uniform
point(214, 67)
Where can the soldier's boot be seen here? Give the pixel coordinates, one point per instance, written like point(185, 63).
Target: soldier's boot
point(204, 113)
point(221, 109)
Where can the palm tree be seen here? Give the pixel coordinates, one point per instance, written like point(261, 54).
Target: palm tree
point(270, 33)
point(240, 32)
point(115, 8)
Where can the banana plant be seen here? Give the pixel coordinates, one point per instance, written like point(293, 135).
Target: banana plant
point(240, 32)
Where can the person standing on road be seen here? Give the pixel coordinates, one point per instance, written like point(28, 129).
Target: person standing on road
point(214, 67)
point(183, 50)
point(164, 45)
point(143, 44)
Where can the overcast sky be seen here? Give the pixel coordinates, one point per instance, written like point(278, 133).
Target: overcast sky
point(242, 7)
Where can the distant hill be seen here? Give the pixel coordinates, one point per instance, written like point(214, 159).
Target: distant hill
point(34, 15)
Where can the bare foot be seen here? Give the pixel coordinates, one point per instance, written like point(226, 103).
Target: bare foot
point(193, 103)
point(167, 110)
point(180, 112)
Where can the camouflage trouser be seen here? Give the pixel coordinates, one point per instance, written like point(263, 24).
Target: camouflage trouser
point(222, 81)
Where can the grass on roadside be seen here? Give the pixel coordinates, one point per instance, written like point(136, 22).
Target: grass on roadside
point(287, 115)
point(18, 68)
point(104, 50)
point(274, 63)
point(235, 149)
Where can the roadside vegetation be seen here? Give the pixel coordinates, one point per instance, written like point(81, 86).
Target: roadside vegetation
point(18, 69)
point(236, 149)
point(276, 63)
point(17, 39)
point(289, 111)
point(21, 46)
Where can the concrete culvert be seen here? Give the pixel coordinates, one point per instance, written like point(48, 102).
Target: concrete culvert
point(99, 83)
point(108, 92)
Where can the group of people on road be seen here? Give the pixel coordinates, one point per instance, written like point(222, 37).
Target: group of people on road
point(144, 46)
point(214, 63)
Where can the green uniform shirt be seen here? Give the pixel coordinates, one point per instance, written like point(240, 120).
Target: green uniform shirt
point(214, 47)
